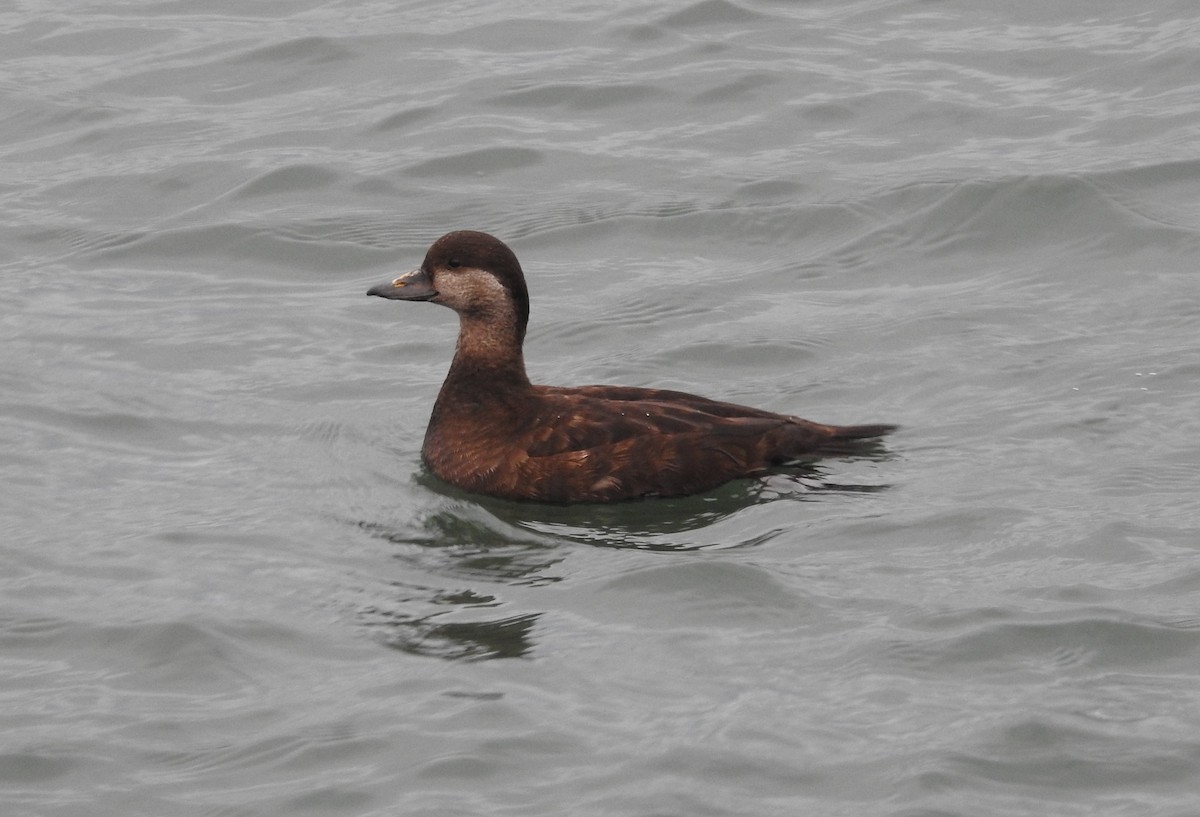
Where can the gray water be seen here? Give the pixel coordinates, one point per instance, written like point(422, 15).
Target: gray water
point(229, 589)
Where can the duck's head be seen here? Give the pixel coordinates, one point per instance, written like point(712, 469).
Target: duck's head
point(473, 273)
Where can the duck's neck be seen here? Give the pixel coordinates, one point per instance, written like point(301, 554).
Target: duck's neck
point(487, 360)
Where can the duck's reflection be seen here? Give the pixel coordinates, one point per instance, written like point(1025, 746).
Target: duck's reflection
point(707, 521)
point(428, 635)
point(466, 563)
point(466, 558)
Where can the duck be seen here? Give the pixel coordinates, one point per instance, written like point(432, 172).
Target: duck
point(495, 433)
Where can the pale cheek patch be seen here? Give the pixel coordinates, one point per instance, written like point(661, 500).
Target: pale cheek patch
point(488, 319)
point(471, 289)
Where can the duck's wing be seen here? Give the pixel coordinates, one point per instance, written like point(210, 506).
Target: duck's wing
point(575, 419)
point(592, 418)
point(662, 454)
point(624, 394)
point(598, 417)
point(601, 444)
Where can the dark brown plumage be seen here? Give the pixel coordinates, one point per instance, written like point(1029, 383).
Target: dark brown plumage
point(493, 432)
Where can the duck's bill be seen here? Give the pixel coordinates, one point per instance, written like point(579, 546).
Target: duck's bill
point(411, 286)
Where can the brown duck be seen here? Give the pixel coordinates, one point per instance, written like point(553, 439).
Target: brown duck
point(493, 432)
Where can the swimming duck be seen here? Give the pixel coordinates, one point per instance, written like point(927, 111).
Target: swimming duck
point(493, 432)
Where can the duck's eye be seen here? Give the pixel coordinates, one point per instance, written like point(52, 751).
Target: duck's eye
point(454, 263)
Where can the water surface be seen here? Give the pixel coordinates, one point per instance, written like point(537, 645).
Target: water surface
point(228, 587)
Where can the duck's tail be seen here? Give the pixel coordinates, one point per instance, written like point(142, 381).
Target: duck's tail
point(862, 432)
point(862, 439)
